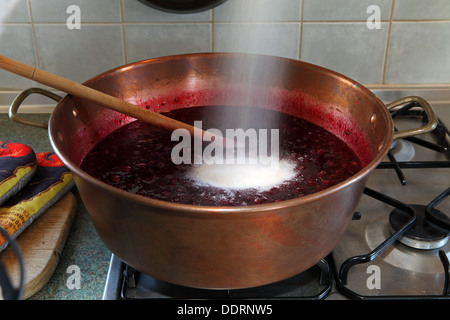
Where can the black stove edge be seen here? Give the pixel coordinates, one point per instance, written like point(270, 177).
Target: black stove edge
point(114, 283)
point(113, 279)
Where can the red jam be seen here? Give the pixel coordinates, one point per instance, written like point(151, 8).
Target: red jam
point(137, 158)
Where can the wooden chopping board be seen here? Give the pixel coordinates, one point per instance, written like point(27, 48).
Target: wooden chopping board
point(41, 245)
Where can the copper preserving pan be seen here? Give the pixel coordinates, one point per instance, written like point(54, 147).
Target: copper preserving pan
point(224, 247)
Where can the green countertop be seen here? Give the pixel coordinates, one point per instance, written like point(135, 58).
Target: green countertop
point(83, 247)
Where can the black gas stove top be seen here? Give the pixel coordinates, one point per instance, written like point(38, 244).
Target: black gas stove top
point(396, 246)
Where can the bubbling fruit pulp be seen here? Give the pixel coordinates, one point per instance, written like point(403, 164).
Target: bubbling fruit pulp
point(137, 158)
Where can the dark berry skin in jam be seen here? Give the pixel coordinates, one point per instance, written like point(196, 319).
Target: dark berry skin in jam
point(137, 158)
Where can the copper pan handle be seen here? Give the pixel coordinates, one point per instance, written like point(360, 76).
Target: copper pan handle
point(17, 102)
point(432, 118)
point(95, 96)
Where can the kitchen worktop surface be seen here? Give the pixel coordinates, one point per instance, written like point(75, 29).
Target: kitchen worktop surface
point(83, 247)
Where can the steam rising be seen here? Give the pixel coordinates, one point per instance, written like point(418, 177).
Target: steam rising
point(256, 35)
point(6, 7)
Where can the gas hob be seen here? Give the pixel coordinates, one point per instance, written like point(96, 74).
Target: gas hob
point(396, 246)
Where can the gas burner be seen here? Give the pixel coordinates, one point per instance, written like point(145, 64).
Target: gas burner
point(402, 150)
point(423, 234)
point(391, 243)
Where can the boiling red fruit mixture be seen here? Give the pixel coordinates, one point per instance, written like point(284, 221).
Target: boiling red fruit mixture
point(137, 158)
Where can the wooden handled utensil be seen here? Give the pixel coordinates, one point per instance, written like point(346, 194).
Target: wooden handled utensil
point(93, 95)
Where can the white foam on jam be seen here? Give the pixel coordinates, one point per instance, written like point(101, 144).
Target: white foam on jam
point(243, 176)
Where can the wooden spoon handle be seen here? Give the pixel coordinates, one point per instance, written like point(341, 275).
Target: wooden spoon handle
point(93, 95)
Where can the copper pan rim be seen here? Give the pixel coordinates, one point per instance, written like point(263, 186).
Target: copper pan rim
point(231, 211)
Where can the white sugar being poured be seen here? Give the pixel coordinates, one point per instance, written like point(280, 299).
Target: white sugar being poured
point(243, 176)
point(250, 38)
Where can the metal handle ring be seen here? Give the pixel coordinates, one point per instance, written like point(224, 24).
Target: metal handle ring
point(429, 126)
point(17, 102)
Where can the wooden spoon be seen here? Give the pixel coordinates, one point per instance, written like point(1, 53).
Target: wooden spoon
point(93, 95)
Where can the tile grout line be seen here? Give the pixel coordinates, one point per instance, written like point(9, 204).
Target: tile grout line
point(124, 41)
point(226, 22)
point(33, 31)
point(386, 53)
point(212, 30)
point(300, 40)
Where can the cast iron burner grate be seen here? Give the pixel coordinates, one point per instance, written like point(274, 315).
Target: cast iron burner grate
point(424, 234)
point(440, 143)
point(408, 223)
